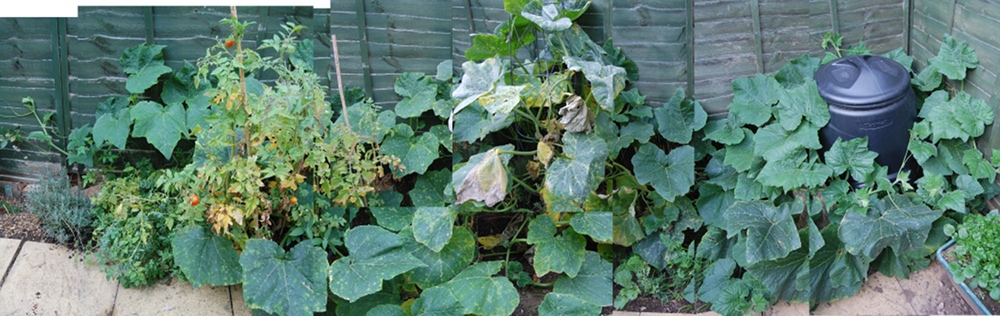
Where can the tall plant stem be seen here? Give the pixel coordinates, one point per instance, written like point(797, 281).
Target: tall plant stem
point(340, 85)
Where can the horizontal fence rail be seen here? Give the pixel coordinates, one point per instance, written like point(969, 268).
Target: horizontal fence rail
point(70, 65)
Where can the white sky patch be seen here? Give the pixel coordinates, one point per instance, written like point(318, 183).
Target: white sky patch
point(68, 9)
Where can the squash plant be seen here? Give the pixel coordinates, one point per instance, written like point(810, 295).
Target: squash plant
point(777, 222)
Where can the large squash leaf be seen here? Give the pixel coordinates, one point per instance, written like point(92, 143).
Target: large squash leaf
point(597, 225)
point(442, 265)
point(579, 173)
point(606, 81)
point(565, 304)
point(680, 117)
point(415, 152)
point(206, 258)
point(161, 126)
point(292, 283)
point(479, 292)
point(802, 103)
point(144, 64)
point(477, 80)
point(852, 155)
point(432, 226)
point(556, 252)
point(753, 98)
point(113, 126)
point(768, 231)
point(954, 58)
point(671, 175)
point(375, 255)
point(893, 221)
point(437, 301)
point(592, 284)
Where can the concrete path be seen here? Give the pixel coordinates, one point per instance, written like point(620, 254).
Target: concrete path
point(46, 279)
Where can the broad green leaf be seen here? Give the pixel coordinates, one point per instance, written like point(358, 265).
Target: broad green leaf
point(851, 155)
point(616, 57)
point(592, 283)
point(606, 81)
point(835, 273)
point(634, 131)
point(393, 217)
point(753, 98)
point(417, 104)
point(432, 226)
point(576, 42)
point(775, 143)
point(292, 283)
point(144, 65)
point(717, 277)
point(162, 127)
point(580, 172)
point(928, 79)
point(503, 99)
point(726, 132)
point(362, 306)
point(375, 254)
point(482, 294)
point(206, 258)
point(475, 123)
point(443, 265)
point(679, 118)
point(802, 103)
point(489, 45)
point(444, 70)
point(415, 153)
point(791, 173)
point(899, 55)
point(978, 166)
point(554, 252)
point(180, 88)
point(597, 225)
point(429, 188)
point(477, 80)
point(386, 310)
point(719, 173)
point(797, 71)
point(113, 128)
point(626, 229)
point(713, 201)
point(893, 221)
point(302, 58)
point(962, 117)
point(573, 9)
point(769, 231)
point(671, 175)
point(953, 58)
point(921, 150)
point(741, 156)
point(436, 301)
point(484, 178)
point(546, 16)
point(195, 117)
point(786, 277)
point(79, 148)
point(565, 304)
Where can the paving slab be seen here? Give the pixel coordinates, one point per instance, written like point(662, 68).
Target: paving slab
point(8, 247)
point(931, 291)
point(174, 297)
point(880, 295)
point(49, 279)
point(787, 308)
point(239, 305)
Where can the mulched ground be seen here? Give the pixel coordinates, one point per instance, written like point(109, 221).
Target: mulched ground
point(16, 222)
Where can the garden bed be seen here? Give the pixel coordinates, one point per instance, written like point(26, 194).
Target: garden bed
point(975, 296)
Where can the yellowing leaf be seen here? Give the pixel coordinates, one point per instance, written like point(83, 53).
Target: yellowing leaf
point(575, 116)
point(489, 242)
point(533, 169)
point(544, 153)
point(486, 181)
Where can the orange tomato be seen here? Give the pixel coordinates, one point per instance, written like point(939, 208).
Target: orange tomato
point(293, 200)
point(194, 200)
point(229, 42)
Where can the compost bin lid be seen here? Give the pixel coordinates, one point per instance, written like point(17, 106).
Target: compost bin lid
point(859, 81)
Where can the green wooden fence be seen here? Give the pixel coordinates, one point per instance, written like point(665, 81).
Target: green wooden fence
point(70, 65)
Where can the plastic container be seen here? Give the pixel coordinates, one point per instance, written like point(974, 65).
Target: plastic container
point(869, 96)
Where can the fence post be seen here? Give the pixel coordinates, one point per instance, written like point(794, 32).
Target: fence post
point(61, 75)
point(363, 39)
point(147, 15)
point(690, 47)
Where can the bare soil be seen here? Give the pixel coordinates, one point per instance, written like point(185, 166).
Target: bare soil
point(17, 222)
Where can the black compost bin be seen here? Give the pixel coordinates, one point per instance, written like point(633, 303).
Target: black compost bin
point(869, 96)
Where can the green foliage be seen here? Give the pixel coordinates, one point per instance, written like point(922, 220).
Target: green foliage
point(782, 223)
point(291, 283)
point(135, 217)
point(63, 209)
point(976, 257)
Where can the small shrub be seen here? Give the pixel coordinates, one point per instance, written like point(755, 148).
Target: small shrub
point(134, 221)
point(63, 210)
